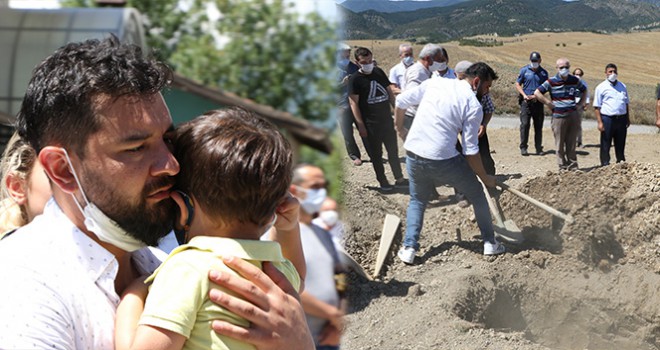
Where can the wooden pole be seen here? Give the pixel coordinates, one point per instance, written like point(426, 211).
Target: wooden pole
point(566, 217)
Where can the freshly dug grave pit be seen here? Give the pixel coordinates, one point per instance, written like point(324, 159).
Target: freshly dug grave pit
point(563, 311)
point(590, 284)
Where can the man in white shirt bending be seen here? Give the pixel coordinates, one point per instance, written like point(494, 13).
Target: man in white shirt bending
point(447, 107)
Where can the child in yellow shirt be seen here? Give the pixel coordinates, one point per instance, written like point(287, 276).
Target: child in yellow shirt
point(235, 171)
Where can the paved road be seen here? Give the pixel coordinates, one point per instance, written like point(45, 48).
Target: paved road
point(510, 121)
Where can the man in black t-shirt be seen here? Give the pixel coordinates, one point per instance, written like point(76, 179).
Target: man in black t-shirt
point(371, 101)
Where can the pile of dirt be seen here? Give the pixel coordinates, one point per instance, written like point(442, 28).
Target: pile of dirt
point(590, 284)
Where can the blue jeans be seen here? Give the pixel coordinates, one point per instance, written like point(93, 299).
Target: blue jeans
point(424, 175)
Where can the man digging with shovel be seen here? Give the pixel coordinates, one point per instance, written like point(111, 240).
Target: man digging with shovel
point(447, 107)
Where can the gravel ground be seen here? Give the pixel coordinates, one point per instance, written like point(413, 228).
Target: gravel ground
point(590, 284)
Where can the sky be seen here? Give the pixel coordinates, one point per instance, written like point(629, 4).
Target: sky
point(327, 8)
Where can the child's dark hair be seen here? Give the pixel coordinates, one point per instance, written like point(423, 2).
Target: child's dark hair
point(236, 165)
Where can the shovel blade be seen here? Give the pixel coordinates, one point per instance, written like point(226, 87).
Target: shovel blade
point(509, 233)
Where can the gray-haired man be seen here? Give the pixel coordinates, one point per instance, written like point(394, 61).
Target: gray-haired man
point(398, 72)
point(430, 60)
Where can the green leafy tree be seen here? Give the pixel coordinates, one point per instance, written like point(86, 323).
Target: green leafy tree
point(258, 49)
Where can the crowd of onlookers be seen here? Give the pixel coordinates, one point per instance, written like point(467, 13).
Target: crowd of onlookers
point(442, 114)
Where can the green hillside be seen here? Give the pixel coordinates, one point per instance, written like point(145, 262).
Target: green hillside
point(504, 17)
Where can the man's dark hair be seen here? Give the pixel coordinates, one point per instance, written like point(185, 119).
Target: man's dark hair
point(237, 166)
point(67, 88)
point(444, 53)
point(611, 65)
point(361, 52)
point(481, 70)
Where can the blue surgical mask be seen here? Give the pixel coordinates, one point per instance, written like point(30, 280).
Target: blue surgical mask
point(342, 63)
point(564, 72)
point(106, 229)
point(408, 60)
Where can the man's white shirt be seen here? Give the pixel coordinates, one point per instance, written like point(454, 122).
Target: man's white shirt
point(397, 74)
point(446, 107)
point(612, 99)
point(58, 288)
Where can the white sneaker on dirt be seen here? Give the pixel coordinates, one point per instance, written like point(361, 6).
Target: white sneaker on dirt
point(407, 255)
point(493, 249)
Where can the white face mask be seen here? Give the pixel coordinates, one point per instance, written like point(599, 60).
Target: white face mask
point(535, 65)
point(313, 200)
point(329, 217)
point(106, 229)
point(564, 72)
point(612, 77)
point(436, 66)
point(367, 68)
point(408, 60)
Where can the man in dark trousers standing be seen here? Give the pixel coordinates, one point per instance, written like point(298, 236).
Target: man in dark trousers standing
point(612, 113)
point(371, 99)
point(529, 79)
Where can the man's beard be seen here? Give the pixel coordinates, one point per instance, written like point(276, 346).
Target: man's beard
point(140, 220)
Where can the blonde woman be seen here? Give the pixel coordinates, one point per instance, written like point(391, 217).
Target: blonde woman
point(25, 187)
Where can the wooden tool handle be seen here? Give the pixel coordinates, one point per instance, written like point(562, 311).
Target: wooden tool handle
point(566, 217)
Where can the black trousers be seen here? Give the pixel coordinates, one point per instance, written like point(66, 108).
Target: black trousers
point(615, 130)
point(484, 153)
point(531, 112)
point(346, 121)
point(378, 134)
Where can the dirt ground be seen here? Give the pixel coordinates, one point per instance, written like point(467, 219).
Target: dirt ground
point(590, 284)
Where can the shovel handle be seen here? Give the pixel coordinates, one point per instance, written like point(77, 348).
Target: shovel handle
point(493, 207)
point(566, 217)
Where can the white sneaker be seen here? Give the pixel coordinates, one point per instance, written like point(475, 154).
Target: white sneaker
point(493, 249)
point(407, 255)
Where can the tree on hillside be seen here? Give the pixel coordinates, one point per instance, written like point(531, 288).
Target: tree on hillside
point(259, 49)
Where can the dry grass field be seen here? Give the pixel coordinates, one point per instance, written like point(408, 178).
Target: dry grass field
point(637, 56)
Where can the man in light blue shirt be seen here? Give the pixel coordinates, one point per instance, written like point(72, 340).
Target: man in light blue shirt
point(612, 113)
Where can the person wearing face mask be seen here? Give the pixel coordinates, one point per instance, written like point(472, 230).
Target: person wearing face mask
point(397, 73)
point(328, 219)
point(94, 115)
point(488, 109)
point(321, 298)
point(444, 71)
point(529, 79)
point(226, 203)
point(447, 107)
point(371, 99)
point(430, 58)
point(613, 115)
point(564, 89)
point(579, 72)
point(345, 117)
